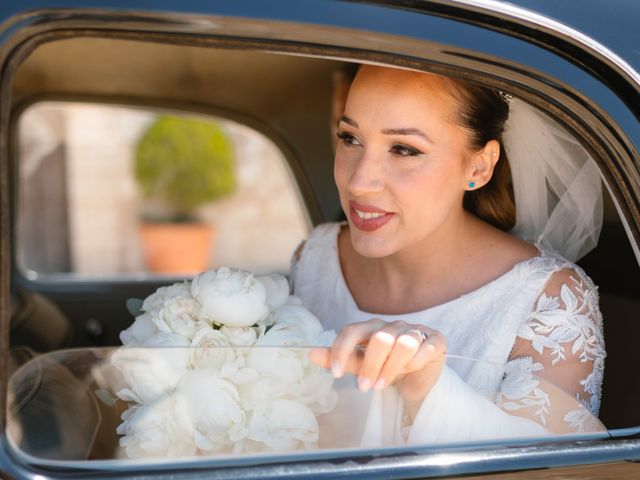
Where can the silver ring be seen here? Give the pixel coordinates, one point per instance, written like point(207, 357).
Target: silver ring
point(424, 336)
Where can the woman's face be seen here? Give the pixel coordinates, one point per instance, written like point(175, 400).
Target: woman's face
point(402, 163)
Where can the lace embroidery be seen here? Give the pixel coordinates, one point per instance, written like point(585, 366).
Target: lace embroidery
point(581, 421)
point(569, 323)
point(522, 389)
point(593, 383)
point(551, 325)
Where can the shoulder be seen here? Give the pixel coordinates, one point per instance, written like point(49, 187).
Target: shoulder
point(567, 275)
point(511, 248)
point(542, 268)
point(314, 253)
point(566, 310)
point(568, 291)
point(324, 233)
point(323, 236)
point(560, 273)
point(493, 253)
point(315, 272)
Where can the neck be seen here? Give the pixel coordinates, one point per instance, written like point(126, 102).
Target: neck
point(424, 272)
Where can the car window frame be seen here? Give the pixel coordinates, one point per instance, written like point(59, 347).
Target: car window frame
point(295, 171)
point(613, 150)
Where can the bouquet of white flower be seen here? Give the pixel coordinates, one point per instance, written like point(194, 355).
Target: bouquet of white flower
point(214, 390)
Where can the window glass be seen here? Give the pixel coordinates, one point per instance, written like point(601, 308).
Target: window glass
point(83, 211)
point(235, 404)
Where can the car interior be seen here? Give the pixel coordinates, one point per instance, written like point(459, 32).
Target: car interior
point(291, 105)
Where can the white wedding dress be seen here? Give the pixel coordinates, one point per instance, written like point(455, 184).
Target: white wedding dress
point(536, 331)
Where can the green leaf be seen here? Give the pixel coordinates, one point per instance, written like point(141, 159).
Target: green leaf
point(134, 305)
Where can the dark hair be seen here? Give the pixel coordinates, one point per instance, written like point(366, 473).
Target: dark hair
point(483, 112)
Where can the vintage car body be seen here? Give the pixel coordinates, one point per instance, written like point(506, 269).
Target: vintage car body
point(578, 62)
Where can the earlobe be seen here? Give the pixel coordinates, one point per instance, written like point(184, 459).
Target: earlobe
point(482, 165)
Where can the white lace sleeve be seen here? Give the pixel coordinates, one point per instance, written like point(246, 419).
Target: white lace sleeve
point(551, 383)
point(559, 351)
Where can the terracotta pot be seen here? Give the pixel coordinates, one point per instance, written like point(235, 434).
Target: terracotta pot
point(178, 248)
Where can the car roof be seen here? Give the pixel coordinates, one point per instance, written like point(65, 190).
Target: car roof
point(613, 24)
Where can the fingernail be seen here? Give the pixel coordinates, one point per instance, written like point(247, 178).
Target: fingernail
point(364, 384)
point(336, 370)
point(379, 384)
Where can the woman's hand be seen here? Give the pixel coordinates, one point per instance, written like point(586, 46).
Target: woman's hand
point(394, 353)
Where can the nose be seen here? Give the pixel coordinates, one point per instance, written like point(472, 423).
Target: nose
point(366, 175)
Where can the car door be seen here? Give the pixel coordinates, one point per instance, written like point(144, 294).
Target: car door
point(581, 76)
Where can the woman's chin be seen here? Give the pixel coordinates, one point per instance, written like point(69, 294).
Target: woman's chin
point(371, 245)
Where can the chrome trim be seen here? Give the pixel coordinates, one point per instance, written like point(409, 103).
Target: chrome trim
point(421, 462)
point(534, 18)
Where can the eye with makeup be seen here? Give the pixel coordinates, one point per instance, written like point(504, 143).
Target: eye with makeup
point(348, 139)
point(404, 150)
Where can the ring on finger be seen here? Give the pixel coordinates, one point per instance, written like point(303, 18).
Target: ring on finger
point(424, 336)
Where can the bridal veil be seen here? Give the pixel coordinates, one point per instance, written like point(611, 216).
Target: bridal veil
point(557, 186)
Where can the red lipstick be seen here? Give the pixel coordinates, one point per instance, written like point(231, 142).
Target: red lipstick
point(367, 217)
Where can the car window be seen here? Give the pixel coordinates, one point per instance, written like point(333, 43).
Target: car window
point(110, 192)
point(80, 209)
point(229, 404)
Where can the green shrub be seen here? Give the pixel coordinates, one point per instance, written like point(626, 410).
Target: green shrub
point(184, 163)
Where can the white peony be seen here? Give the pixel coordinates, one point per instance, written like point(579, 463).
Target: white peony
point(230, 297)
point(287, 364)
point(294, 325)
point(279, 369)
point(156, 301)
point(178, 315)
point(235, 378)
point(277, 289)
point(315, 390)
point(242, 336)
point(209, 405)
point(152, 430)
point(283, 424)
point(211, 349)
point(140, 330)
point(150, 372)
point(288, 372)
point(238, 372)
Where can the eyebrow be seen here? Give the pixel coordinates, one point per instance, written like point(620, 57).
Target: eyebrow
point(390, 131)
point(349, 121)
point(407, 131)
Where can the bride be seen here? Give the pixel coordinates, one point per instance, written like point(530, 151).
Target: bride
point(436, 260)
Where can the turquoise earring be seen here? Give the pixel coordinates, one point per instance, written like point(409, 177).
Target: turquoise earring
point(472, 184)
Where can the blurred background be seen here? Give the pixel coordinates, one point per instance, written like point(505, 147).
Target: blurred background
point(81, 204)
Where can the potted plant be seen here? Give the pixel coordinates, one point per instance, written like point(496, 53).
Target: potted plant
point(180, 165)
